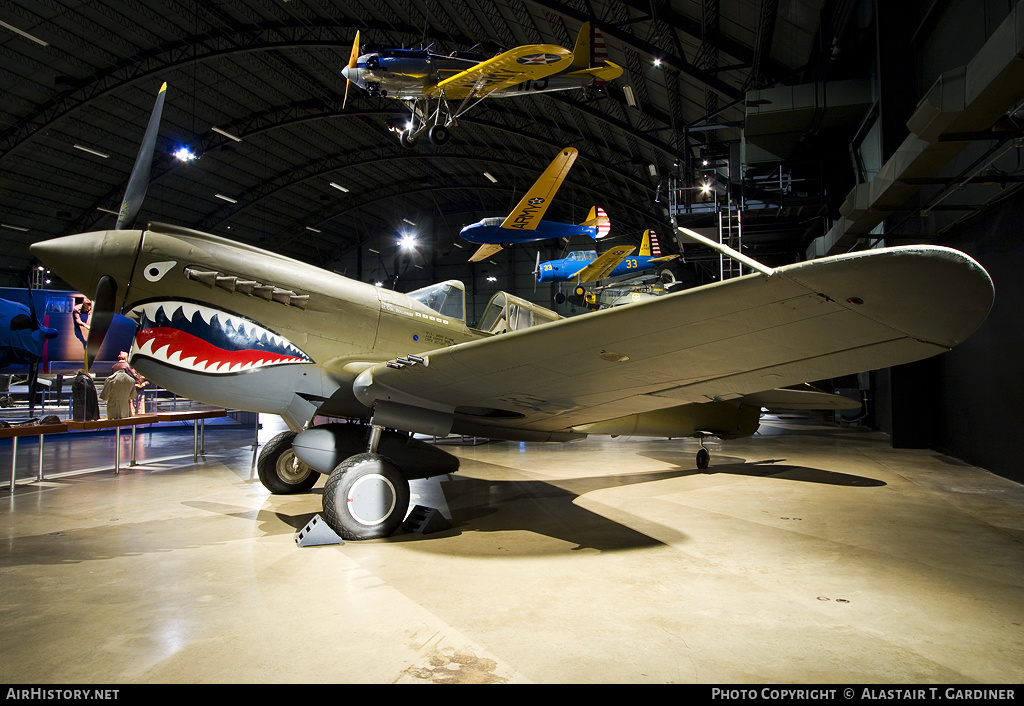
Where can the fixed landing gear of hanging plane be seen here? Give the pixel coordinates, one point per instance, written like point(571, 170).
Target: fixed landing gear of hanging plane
point(439, 135)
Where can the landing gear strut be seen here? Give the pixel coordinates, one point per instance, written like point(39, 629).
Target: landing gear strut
point(703, 455)
point(366, 495)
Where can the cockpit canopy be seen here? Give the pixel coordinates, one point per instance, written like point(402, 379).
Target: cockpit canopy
point(446, 298)
point(506, 312)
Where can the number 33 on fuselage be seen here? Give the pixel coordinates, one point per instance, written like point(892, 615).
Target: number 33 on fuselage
point(427, 80)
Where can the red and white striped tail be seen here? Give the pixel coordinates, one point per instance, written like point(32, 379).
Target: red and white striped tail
point(604, 224)
point(655, 248)
point(599, 53)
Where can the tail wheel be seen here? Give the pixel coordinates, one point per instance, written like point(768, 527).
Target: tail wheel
point(365, 497)
point(280, 471)
point(703, 458)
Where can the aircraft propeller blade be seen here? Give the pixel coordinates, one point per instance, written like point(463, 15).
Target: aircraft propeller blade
point(352, 59)
point(536, 273)
point(102, 317)
point(135, 193)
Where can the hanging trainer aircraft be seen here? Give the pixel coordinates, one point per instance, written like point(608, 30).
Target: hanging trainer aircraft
point(235, 326)
point(583, 266)
point(525, 225)
point(426, 81)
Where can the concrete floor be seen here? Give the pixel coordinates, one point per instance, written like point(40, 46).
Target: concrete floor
point(807, 554)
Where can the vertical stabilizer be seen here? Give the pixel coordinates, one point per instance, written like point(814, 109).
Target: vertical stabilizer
point(597, 218)
point(581, 50)
point(650, 246)
point(599, 55)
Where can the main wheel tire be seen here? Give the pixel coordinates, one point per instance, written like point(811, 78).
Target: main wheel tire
point(703, 458)
point(438, 135)
point(280, 471)
point(407, 140)
point(365, 497)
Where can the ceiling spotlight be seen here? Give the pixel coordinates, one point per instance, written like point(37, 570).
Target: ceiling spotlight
point(407, 242)
point(492, 278)
point(657, 62)
point(705, 188)
point(184, 154)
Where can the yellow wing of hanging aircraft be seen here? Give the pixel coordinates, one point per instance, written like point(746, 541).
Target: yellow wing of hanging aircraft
point(601, 267)
point(530, 210)
point(534, 204)
point(527, 63)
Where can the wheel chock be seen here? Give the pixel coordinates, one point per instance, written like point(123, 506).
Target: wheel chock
point(317, 533)
point(425, 520)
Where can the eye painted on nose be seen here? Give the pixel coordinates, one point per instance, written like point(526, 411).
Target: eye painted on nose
point(156, 270)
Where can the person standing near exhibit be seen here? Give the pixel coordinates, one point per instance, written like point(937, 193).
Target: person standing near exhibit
point(118, 391)
point(137, 401)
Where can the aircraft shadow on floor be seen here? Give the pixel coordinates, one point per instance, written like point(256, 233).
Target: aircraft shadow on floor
point(767, 468)
point(548, 508)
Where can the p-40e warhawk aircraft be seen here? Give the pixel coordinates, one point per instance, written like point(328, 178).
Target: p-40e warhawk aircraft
point(427, 81)
point(525, 223)
point(587, 266)
point(235, 326)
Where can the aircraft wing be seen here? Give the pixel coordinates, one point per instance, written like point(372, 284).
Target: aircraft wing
point(528, 213)
point(807, 321)
point(485, 251)
point(601, 267)
point(526, 63)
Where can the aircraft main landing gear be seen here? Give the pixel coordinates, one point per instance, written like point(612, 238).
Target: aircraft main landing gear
point(365, 497)
point(280, 471)
point(438, 135)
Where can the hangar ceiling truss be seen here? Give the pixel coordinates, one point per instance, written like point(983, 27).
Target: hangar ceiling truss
point(268, 72)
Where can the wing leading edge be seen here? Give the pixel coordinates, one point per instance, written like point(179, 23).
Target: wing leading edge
point(808, 321)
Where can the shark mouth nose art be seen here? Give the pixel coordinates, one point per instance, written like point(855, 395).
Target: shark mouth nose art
point(205, 340)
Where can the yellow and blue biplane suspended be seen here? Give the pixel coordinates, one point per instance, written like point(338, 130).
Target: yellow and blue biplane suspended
point(426, 81)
